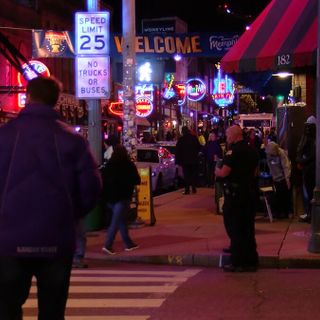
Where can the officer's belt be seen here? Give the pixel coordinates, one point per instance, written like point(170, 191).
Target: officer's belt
point(232, 188)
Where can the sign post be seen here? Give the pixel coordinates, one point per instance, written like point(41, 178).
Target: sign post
point(92, 65)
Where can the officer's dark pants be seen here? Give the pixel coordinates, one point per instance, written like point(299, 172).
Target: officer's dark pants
point(239, 219)
point(52, 275)
point(190, 175)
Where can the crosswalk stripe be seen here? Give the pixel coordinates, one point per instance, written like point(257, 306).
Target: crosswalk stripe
point(185, 273)
point(128, 279)
point(105, 303)
point(89, 317)
point(118, 289)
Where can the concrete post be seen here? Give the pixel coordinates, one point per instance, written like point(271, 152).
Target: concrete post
point(129, 64)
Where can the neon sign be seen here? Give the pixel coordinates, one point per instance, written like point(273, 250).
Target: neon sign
point(29, 73)
point(145, 72)
point(22, 100)
point(144, 106)
point(31, 70)
point(146, 90)
point(116, 108)
point(168, 92)
point(223, 91)
point(144, 101)
point(180, 89)
point(196, 89)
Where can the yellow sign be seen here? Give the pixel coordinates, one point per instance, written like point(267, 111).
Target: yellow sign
point(144, 195)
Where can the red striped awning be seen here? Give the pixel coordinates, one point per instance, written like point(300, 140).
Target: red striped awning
point(283, 36)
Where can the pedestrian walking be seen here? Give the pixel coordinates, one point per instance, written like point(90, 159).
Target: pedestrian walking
point(212, 152)
point(280, 170)
point(239, 169)
point(119, 178)
point(81, 245)
point(187, 156)
point(48, 181)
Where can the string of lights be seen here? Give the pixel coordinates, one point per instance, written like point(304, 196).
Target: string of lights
point(227, 9)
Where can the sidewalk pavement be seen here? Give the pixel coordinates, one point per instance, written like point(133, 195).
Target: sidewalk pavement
point(189, 232)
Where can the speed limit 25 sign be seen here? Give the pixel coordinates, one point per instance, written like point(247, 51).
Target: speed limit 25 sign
point(92, 33)
point(92, 63)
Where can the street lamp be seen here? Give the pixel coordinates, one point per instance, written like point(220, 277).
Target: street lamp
point(177, 57)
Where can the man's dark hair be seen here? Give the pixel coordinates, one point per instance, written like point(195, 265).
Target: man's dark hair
point(44, 90)
point(119, 154)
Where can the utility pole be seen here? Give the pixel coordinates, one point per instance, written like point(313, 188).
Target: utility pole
point(314, 242)
point(129, 63)
point(94, 108)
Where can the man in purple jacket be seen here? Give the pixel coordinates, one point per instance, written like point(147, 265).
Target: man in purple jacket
point(48, 181)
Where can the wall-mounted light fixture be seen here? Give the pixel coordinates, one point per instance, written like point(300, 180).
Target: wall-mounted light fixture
point(282, 74)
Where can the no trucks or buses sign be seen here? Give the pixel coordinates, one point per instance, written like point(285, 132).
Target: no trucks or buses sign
point(92, 63)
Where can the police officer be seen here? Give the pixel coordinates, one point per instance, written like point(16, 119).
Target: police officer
point(239, 170)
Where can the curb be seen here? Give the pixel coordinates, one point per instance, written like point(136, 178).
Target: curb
point(204, 260)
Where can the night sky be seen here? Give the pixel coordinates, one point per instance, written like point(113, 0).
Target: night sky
point(201, 15)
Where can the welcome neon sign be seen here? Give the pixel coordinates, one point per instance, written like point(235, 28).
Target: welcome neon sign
point(223, 91)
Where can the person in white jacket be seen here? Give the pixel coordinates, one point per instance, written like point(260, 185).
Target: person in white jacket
point(280, 170)
point(108, 150)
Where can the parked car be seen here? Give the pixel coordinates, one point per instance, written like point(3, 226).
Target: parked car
point(164, 173)
point(171, 146)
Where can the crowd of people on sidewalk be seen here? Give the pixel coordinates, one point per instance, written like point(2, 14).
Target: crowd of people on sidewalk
point(198, 152)
point(50, 181)
point(275, 167)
